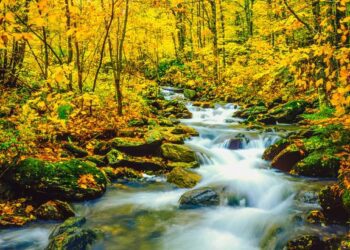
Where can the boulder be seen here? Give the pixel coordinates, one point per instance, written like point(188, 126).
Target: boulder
point(16, 213)
point(178, 153)
point(54, 210)
point(75, 150)
point(315, 217)
point(102, 148)
point(306, 242)
point(136, 146)
point(154, 164)
point(172, 165)
point(97, 159)
point(288, 112)
point(273, 150)
point(114, 157)
point(190, 94)
point(70, 236)
point(184, 130)
point(122, 173)
point(332, 204)
point(318, 164)
point(183, 178)
point(235, 143)
point(287, 158)
point(202, 197)
point(67, 180)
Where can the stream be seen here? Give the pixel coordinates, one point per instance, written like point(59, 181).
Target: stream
point(145, 214)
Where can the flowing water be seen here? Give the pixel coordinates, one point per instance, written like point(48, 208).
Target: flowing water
point(145, 214)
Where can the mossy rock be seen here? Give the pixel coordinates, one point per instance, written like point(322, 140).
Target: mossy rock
point(75, 150)
point(178, 153)
point(201, 197)
point(332, 204)
point(102, 148)
point(287, 158)
point(273, 150)
point(185, 165)
point(115, 157)
point(289, 112)
point(70, 236)
point(54, 210)
point(183, 178)
point(190, 94)
point(122, 173)
point(153, 164)
point(315, 217)
point(318, 164)
point(96, 159)
point(184, 130)
point(136, 146)
point(306, 242)
point(67, 180)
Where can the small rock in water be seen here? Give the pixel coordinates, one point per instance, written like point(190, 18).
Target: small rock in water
point(202, 197)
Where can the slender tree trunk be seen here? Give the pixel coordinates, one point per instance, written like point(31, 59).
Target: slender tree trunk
point(214, 31)
point(69, 44)
point(108, 28)
point(223, 34)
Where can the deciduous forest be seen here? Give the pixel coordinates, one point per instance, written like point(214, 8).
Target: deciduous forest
point(175, 124)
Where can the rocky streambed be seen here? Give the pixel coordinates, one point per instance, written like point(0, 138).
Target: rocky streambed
point(206, 183)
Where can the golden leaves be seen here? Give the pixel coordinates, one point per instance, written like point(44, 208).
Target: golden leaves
point(87, 181)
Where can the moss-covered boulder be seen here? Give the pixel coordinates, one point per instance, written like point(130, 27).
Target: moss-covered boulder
point(96, 159)
point(114, 157)
point(184, 130)
point(190, 94)
point(75, 150)
point(315, 217)
point(185, 165)
point(122, 173)
point(16, 213)
point(251, 112)
point(332, 204)
point(54, 210)
point(288, 112)
point(178, 153)
point(318, 164)
point(202, 197)
point(137, 146)
point(273, 150)
point(102, 148)
point(153, 164)
point(183, 178)
point(70, 236)
point(67, 180)
point(288, 157)
point(306, 242)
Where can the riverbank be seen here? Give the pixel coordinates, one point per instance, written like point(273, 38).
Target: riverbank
point(236, 186)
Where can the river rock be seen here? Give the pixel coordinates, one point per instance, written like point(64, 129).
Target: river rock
point(332, 204)
point(202, 197)
point(185, 165)
point(54, 210)
point(183, 178)
point(70, 236)
point(288, 112)
point(178, 153)
point(122, 173)
point(190, 94)
point(114, 157)
point(318, 164)
point(273, 150)
point(67, 180)
point(235, 143)
point(136, 146)
point(315, 217)
point(287, 158)
point(306, 242)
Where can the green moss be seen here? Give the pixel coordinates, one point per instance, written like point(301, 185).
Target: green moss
point(64, 111)
point(346, 200)
point(318, 164)
point(178, 153)
point(323, 114)
point(114, 157)
point(183, 178)
point(58, 180)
